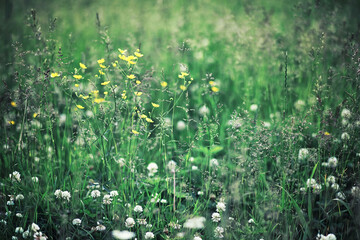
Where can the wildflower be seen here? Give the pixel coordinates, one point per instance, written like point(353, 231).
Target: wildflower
point(129, 222)
point(105, 83)
point(79, 106)
point(345, 136)
point(251, 221)
point(218, 232)
point(345, 113)
point(99, 100)
point(149, 235)
point(149, 120)
point(107, 199)
point(26, 234)
point(171, 166)
point(138, 209)
point(34, 227)
point(138, 93)
point(19, 215)
point(102, 66)
point(54, 75)
point(214, 163)
point(194, 168)
point(182, 87)
point(66, 195)
point(327, 134)
point(215, 89)
point(12, 122)
point(100, 227)
point(76, 221)
point(77, 77)
point(299, 105)
point(19, 197)
point(215, 217)
point(332, 162)
point(114, 193)
point(19, 230)
point(197, 238)
point(163, 84)
point(15, 176)
point(155, 105)
point(335, 186)
point(180, 125)
point(204, 110)
point(84, 97)
point(122, 51)
point(138, 82)
point(134, 132)
point(267, 124)
point(101, 61)
point(35, 115)
point(114, 64)
point(82, 66)
point(76, 85)
point(35, 179)
point(253, 107)
point(221, 207)
point(310, 183)
point(331, 179)
point(340, 195)
point(95, 193)
point(139, 55)
point(153, 168)
point(211, 83)
point(142, 221)
point(303, 153)
point(195, 223)
point(13, 104)
point(123, 235)
point(355, 191)
point(106, 93)
point(101, 72)
point(143, 116)
point(163, 201)
point(57, 193)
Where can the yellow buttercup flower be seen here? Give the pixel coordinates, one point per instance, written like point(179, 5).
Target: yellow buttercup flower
point(138, 93)
point(82, 66)
point(53, 75)
point(131, 76)
point(181, 76)
point(163, 84)
point(123, 57)
point(99, 100)
point(106, 93)
point(35, 115)
point(100, 61)
point(138, 54)
point(134, 132)
point(101, 72)
point(212, 83)
point(143, 116)
point(215, 89)
point(327, 134)
point(122, 51)
point(155, 105)
point(131, 62)
point(149, 120)
point(76, 85)
point(182, 87)
point(105, 83)
point(184, 74)
point(12, 122)
point(77, 77)
point(102, 66)
point(95, 92)
point(79, 107)
point(13, 104)
point(84, 97)
point(114, 64)
point(138, 82)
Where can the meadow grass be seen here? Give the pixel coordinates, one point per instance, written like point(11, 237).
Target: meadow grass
point(180, 120)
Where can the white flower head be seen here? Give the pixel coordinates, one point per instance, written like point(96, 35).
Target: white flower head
point(345, 113)
point(171, 166)
point(15, 176)
point(129, 222)
point(66, 195)
point(340, 195)
point(214, 163)
point(152, 168)
point(34, 227)
point(355, 191)
point(331, 179)
point(138, 209)
point(120, 161)
point(310, 183)
point(181, 125)
point(35, 179)
point(303, 153)
point(19, 197)
point(195, 223)
point(149, 235)
point(218, 232)
point(345, 136)
point(197, 238)
point(19, 230)
point(58, 193)
point(215, 217)
point(95, 193)
point(204, 110)
point(251, 221)
point(76, 221)
point(123, 235)
point(107, 199)
point(114, 193)
point(253, 107)
point(221, 207)
point(332, 161)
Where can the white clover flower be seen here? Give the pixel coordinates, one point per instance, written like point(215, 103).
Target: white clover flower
point(220, 207)
point(345, 113)
point(152, 168)
point(149, 235)
point(141, 221)
point(299, 105)
point(335, 186)
point(266, 124)
point(171, 166)
point(218, 232)
point(149, 226)
point(19, 215)
point(355, 191)
point(340, 195)
point(345, 136)
point(107, 199)
point(66, 195)
point(138, 209)
point(200, 193)
point(58, 193)
point(19, 230)
point(129, 222)
point(35, 179)
point(332, 161)
point(123, 235)
point(317, 188)
point(114, 193)
point(34, 227)
point(331, 179)
point(76, 221)
point(95, 193)
point(251, 221)
point(331, 236)
point(191, 159)
point(10, 203)
point(215, 217)
point(303, 154)
point(62, 118)
point(194, 168)
point(120, 161)
point(253, 107)
point(214, 163)
point(195, 223)
point(204, 110)
point(302, 189)
point(181, 125)
point(155, 198)
point(197, 238)
point(26, 234)
point(163, 201)
point(15, 176)
point(167, 122)
point(19, 197)
point(344, 122)
point(14, 238)
point(100, 228)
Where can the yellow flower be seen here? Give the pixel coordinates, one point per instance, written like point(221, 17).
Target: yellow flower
point(114, 64)
point(101, 72)
point(77, 76)
point(182, 87)
point(135, 132)
point(212, 83)
point(131, 57)
point(123, 57)
point(155, 105)
point(106, 93)
point(327, 134)
point(143, 116)
point(138, 54)
point(181, 76)
point(84, 97)
point(13, 104)
point(131, 76)
point(163, 84)
point(79, 107)
point(131, 62)
point(149, 120)
point(53, 75)
point(184, 74)
point(122, 51)
point(76, 85)
point(82, 66)
point(215, 89)
point(12, 122)
point(105, 83)
point(123, 95)
point(35, 115)
point(95, 92)
point(99, 100)
point(138, 93)
point(102, 66)
point(100, 61)
point(138, 82)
